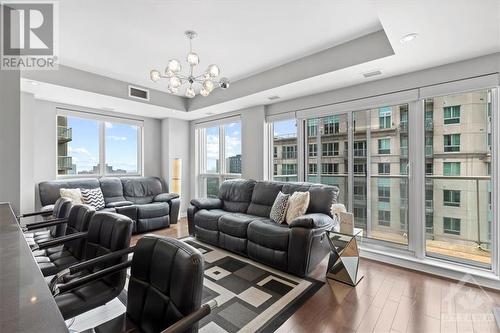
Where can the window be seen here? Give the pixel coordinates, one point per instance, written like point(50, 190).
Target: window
point(102, 146)
point(429, 168)
point(451, 168)
point(335, 148)
point(451, 226)
point(313, 168)
point(384, 218)
point(403, 144)
point(403, 168)
point(429, 143)
point(329, 168)
point(359, 191)
point(429, 223)
point(385, 115)
point(384, 146)
point(275, 152)
point(289, 169)
point(313, 150)
point(384, 168)
point(312, 127)
point(359, 168)
point(331, 125)
point(451, 198)
point(384, 193)
point(359, 148)
point(328, 149)
point(451, 142)
point(451, 114)
point(289, 152)
point(220, 156)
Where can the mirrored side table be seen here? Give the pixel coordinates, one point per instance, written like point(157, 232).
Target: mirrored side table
point(343, 263)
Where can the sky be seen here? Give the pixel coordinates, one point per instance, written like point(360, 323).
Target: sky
point(284, 127)
point(121, 145)
point(232, 144)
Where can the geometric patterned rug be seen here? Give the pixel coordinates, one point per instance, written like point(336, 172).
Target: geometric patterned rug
point(251, 297)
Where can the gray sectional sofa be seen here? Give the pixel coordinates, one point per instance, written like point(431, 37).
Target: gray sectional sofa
point(238, 221)
point(144, 199)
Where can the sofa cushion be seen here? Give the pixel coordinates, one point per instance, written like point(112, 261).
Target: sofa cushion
point(49, 190)
point(279, 208)
point(151, 210)
point(93, 197)
point(322, 198)
point(236, 194)
point(73, 194)
point(209, 219)
point(263, 196)
point(269, 234)
point(141, 190)
point(112, 189)
point(297, 205)
point(235, 224)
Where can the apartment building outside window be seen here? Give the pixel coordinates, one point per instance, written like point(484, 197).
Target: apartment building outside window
point(451, 225)
point(289, 169)
point(313, 168)
point(312, 127)
point(451, 142)
point(331, 125)
point(384, 193)
point(451, 114)
point(285, 142)
point(385, 117)
point(329, 168)
point(327, 149)
point(360, 148)
point(289, 152)
point(451, 198)
point(384, 146)
point(359, 168)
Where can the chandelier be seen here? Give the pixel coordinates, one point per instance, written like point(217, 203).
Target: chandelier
point(205, 83)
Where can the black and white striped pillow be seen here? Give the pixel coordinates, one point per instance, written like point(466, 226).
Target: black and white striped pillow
point(93, 197)
point(280, 206)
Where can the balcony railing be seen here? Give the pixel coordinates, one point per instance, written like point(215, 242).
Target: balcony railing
point(359, 152)
point(429, 124)
point(285, 136)
point(64, 134)
point(289, 155)
point(429, 205)
point(64, 162)
point(404, 151)
point(429, 151)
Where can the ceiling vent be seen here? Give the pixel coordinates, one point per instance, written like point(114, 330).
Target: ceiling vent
point(372, 73)
point(139, 93)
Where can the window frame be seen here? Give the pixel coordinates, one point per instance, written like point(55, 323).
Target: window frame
point(452, 147)
point(450, 198)
point(200, 152)
point(451, 119)
point(102, 120)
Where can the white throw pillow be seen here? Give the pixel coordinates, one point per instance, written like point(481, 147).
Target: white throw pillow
point(280, 206)
point(74, 194)
point(297, 205)
point(93, 197)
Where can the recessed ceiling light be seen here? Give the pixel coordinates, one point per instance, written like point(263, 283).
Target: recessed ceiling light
point(272, 98)
point(34, 83)
point(408, 38)
point(372, 73)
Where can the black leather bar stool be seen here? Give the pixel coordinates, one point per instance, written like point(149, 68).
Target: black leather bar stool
point(60, 211)
point(59, 253)
point(91, 283)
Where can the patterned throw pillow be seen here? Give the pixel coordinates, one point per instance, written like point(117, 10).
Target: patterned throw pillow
point(74, 194)
point(280, 205)
point(297, 205)
point(93, 197)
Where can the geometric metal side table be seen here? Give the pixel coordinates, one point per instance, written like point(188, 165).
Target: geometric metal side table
point(343, 263)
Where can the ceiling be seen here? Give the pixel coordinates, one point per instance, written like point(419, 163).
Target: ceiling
point(125, 39)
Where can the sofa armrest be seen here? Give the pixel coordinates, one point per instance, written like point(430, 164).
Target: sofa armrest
point(165, 197)
point(312, 221)
point(119, 204)
point(207, 203)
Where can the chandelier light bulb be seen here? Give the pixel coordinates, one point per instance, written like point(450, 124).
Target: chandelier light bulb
point(213, 70)
point(169, 73)
point(208, 85)
point(154, 75)
point(193, 59)
point(174, 66)
point(224, 83)
point(172, 90)
point(190, 92)
point(175, 82)
point(204, 92)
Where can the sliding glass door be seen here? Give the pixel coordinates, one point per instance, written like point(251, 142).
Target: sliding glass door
point(378, 148)
point(458, 187)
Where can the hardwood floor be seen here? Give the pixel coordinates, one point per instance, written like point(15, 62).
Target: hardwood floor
point(388, 299)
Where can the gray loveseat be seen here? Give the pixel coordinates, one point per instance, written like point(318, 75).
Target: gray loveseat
point(238, 221)
point(143, 199)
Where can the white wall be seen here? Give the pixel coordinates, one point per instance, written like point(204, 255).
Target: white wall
point(10, 142)
point(40, 163)
point(175, 143)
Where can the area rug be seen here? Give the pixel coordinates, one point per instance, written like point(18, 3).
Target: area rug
point(251, 297)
